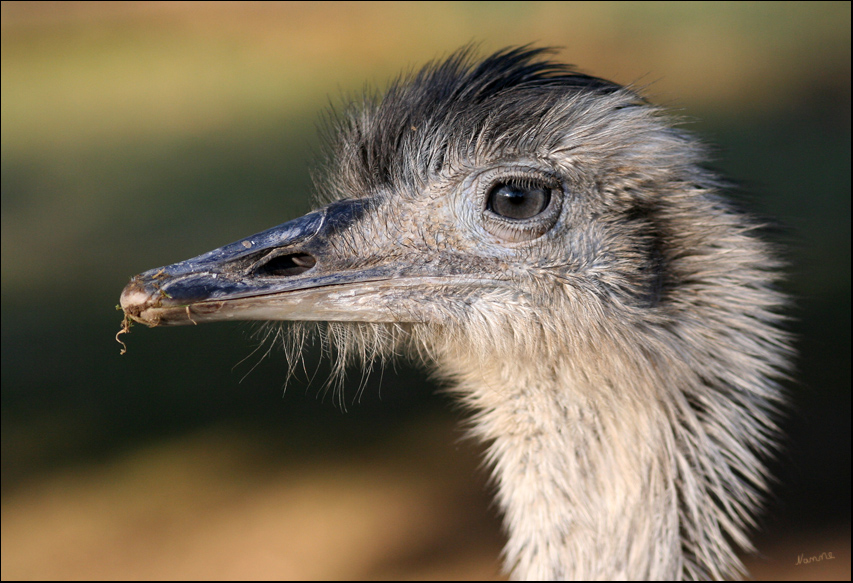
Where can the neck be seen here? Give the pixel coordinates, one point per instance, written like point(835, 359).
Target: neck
point(600, 479)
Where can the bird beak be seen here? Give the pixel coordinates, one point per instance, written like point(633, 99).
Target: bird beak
point(289, 272)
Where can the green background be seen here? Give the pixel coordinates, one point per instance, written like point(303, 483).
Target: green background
point(140, 134)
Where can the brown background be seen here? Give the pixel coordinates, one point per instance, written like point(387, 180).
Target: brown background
point(136, 134)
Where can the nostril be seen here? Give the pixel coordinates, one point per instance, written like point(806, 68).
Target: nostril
point(287, 265)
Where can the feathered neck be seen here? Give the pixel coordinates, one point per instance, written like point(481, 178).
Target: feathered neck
point(610, 465)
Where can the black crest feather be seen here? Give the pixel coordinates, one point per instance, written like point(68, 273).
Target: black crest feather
point(445, 105)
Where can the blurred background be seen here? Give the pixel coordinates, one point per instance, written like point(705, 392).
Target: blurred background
point(137, 134)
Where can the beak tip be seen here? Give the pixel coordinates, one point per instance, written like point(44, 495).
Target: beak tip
point(135, 299)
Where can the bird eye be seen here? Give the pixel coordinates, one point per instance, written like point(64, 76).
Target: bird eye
point(518, 201)
point(522, 206)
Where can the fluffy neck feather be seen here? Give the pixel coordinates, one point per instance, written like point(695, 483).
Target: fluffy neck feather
point(590, 478)
point(618, 458)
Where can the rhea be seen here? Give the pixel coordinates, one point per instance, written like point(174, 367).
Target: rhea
point(552, 244)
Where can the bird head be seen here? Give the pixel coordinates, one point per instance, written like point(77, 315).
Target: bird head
point(510, 203)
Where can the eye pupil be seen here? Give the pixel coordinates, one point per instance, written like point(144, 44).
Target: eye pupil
point(518, 201)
